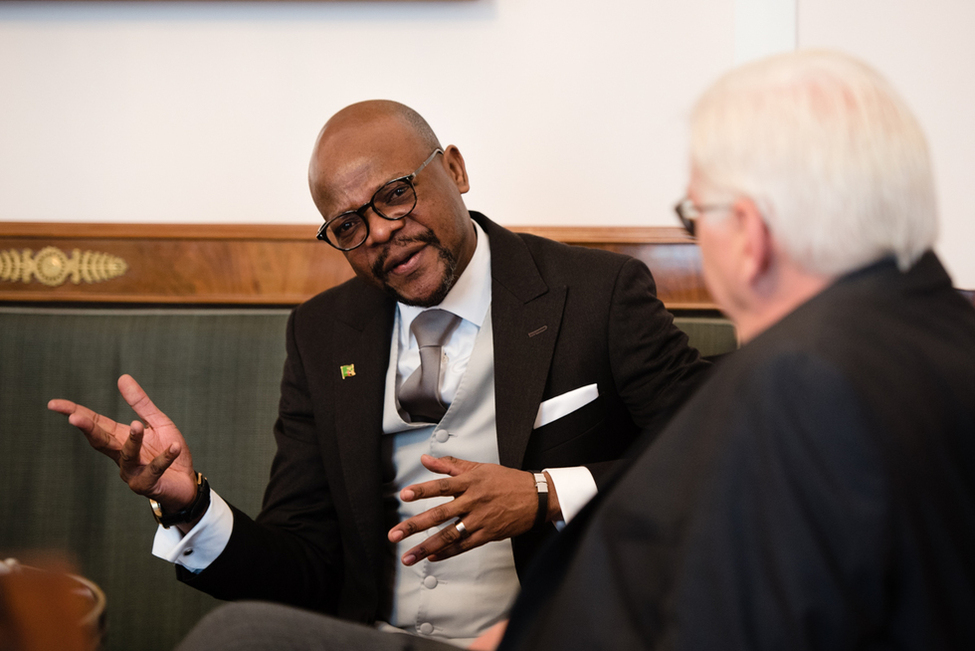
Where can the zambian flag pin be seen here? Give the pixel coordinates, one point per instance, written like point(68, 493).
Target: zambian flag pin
point(348, 370)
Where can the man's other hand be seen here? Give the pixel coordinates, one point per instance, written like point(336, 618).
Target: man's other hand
point(493, 503)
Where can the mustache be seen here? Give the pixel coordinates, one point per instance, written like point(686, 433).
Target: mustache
point(427, 237)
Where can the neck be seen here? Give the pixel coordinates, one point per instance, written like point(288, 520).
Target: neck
point(793, 288)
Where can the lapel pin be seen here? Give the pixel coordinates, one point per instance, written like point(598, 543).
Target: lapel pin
point(348, 370)
point(538, 332)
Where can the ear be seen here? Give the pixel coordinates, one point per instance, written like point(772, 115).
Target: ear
point(456, 168)
point(756, 241)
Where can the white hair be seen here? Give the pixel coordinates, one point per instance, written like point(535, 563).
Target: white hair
point(829, 153)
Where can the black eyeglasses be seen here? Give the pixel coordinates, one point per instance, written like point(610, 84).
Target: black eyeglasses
point(394, 200)
point(689, 213)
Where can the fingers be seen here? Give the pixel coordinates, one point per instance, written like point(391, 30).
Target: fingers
point(128, 458)
point(447, 465)
point(130, 390)
point(448, 542)
point(103, 433)
point(430, 518)
point(65, 407)
point(143, 478)
point(434, 488)
point(453, 486)
point(147, 482)
point(440, 487)
point(494, 502)
point(80, 416)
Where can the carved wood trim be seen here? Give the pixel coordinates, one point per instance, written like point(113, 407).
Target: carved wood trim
point(267, 264)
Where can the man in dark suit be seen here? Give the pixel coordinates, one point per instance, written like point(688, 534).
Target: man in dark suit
point(577, 356)
point(818, 492)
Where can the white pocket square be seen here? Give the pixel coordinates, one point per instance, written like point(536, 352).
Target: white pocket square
point(563, 405)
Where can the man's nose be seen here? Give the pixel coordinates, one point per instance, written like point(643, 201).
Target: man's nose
point(380, 228)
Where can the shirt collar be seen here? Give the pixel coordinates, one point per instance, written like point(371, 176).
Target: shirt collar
point(470, 296)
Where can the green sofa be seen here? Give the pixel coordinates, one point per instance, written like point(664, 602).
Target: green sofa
point(215, 372)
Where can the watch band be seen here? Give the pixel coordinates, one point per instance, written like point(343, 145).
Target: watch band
point(195, 509)
point(541, 486)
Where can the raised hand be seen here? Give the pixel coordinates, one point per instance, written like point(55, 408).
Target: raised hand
point(492, 501)
point(152, 457)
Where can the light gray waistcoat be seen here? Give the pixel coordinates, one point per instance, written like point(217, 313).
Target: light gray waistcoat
point(460, 597)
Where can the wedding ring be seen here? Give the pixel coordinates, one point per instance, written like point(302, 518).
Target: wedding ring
point(461, 529)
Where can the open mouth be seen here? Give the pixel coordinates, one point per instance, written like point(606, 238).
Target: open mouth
point(402, 256)
point(402, 261)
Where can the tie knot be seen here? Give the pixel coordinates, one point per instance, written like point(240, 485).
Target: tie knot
point(434, 327)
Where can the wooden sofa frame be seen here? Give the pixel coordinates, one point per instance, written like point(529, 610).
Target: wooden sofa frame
point(259, 264)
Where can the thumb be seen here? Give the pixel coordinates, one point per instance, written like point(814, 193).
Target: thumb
point(140, 402)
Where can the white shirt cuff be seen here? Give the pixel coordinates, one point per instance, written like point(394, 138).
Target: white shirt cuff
point(202, 544)
point(575, 487)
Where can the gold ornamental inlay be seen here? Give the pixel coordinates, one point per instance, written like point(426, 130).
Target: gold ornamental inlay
point(52, 266)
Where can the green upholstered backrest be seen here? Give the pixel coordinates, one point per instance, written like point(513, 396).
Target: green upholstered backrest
point(712, 335)
point(216, 373)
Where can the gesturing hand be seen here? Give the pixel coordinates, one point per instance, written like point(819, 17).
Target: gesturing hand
point(493, 502)
point(153, 458)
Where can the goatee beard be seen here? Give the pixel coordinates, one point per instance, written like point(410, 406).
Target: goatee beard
point(446, 280)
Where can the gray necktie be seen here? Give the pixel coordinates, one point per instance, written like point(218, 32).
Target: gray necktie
point(420, 394)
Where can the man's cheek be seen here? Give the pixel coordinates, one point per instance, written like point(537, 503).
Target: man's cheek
point(365, 271)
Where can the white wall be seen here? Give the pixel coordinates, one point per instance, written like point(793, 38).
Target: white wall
point(927, 50)
point(568, 111)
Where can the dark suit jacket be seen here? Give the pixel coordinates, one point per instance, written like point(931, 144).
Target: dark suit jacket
point(818, 492)
point(563, 317)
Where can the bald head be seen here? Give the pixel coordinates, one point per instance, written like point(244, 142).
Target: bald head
point(363, 147)
point(384, 109)
point(366, 128)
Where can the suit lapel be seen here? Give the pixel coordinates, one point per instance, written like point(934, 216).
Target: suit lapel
point(363, 331)
point(526, 315)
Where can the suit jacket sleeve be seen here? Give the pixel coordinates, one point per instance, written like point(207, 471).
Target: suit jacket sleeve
point(654, 368)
